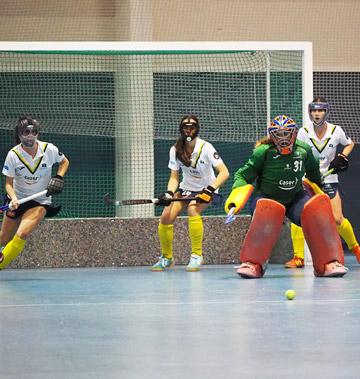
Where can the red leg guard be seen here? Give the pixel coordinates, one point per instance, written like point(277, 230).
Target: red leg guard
point(320, 232)
point(263, 232)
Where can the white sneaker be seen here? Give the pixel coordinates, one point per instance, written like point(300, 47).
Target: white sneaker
point(333, 269)
point(162, 264)
point(195, 262)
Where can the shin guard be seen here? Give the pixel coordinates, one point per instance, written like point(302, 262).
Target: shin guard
point(12, 250)
point(320, 232)
point(263, 233)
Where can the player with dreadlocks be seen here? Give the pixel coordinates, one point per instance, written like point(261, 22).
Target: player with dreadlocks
point(324, 139)
point(196, 159)
point(28, 168)
point(278, 164)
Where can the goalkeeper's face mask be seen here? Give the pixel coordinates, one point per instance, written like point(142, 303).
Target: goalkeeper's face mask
point(283, 131)
point(318, 113)
point(28, 135)
point(189, 129)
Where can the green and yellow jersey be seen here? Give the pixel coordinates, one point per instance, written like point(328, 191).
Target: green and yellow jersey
point(277, 176)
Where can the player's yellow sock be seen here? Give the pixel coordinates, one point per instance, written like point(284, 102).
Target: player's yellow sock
point(166, 236)
point(298, 240)
point(196, 232)
point(346, 231)
point(12, 250)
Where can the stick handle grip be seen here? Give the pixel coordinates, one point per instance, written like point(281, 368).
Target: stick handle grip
point(24, 200)
point(327, 173)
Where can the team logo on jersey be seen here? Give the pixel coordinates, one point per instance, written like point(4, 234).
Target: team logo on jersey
point(216, 155)
point(6, 167)
point(195, 174)
point(288, 185)
point(18, 169)
point(31, 179)
point(43, 165)
point(276, 156)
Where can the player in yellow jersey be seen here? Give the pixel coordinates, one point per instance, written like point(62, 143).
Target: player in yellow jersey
point(197, 160)
point(324, 139)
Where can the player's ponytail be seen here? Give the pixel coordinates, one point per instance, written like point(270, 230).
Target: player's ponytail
point(264, 141)
point(181, 153)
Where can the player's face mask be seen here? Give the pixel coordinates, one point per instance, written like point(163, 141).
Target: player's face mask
point(283, 131)
point(189, 129)
point(284, 139)
point(28, 135)
point(318, 113)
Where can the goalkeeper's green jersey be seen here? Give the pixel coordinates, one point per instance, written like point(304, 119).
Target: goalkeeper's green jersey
point(279, 177)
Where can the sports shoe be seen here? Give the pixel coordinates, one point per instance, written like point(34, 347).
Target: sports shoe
point(356, 251)
point(195, 262)
point(250, 270)
point(162, 264)
point(333, 269)
point(296, 262)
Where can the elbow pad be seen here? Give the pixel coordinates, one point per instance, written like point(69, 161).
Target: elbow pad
point(238, 198)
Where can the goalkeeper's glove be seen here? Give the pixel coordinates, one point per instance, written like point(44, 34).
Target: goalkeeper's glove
point(55, 185)
point(206, 195)
point(164, 199)
point(339, 163)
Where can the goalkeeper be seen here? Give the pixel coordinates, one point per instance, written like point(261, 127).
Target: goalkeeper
point(278, 165)
point(28, 168)
point(324, 139)
point(197, 160)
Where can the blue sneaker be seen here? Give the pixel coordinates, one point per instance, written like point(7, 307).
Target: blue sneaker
point(195, 262)
point(163, 263)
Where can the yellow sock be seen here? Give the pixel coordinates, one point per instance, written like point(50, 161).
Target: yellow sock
point(12, 250)
point(196, 232)
point(346, 232)
point(166, 236)
point(298, 240)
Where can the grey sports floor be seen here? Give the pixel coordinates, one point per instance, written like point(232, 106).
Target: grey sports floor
point(133, 323)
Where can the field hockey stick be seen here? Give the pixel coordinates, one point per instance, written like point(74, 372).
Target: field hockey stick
point(110, 201)
point(230, 216)
point(327, 173)
point(24, 200)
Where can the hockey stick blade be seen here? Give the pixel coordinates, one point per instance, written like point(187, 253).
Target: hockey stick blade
point(109, 200)
point(230, 216)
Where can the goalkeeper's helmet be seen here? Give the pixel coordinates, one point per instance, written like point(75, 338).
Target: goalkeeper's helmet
point(189, 128)
point(27, 130)
point(282, 132)
point(319, 104)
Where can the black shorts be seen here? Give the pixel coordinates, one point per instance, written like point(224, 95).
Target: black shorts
point(331, 189)
point(51, 210)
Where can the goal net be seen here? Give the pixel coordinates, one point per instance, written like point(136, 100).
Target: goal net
point(114, 109)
